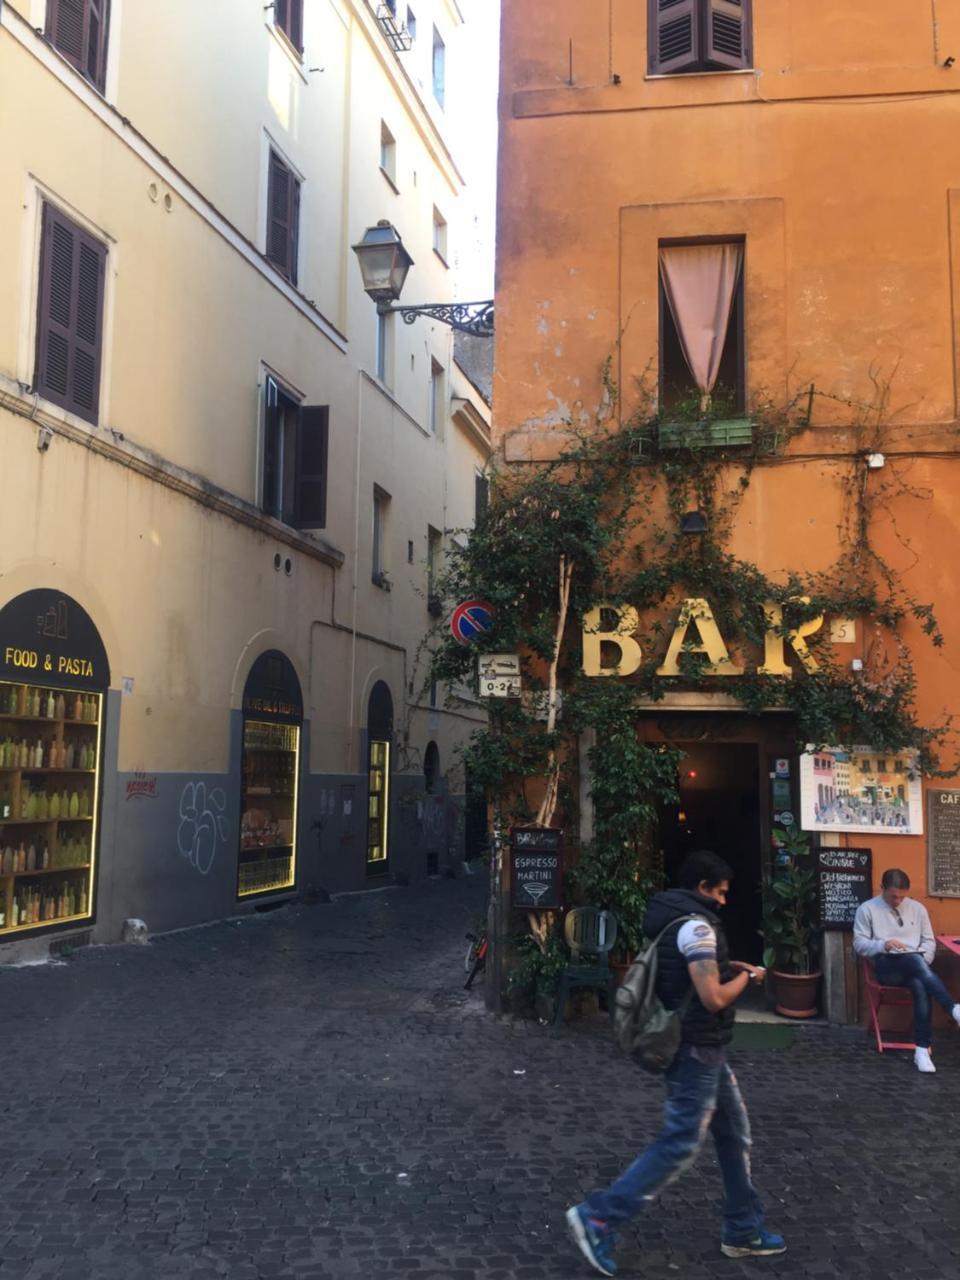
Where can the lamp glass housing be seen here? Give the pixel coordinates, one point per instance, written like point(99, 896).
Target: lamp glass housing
point(384, 262)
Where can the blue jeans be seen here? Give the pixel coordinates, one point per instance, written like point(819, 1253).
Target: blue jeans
point(915, 974)
point(700, 1098)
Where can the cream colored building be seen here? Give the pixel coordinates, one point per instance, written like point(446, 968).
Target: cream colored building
point(223, 475)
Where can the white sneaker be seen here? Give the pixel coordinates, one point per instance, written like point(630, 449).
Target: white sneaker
point(923, 1060)
point(955, 1014)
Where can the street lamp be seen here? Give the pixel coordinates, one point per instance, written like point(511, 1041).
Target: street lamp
point(384, 263)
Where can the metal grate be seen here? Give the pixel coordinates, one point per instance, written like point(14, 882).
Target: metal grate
point(398, 37)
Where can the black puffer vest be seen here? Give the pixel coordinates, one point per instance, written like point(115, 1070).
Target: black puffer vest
point(673, 977)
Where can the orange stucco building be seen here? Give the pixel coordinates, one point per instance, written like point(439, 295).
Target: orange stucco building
point(823, 138)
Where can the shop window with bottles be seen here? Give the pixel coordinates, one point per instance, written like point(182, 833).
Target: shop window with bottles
point(54, 675)
point(379, 735)
point(49, 790)
point(273, 713)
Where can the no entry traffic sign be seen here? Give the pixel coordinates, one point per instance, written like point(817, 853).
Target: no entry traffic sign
point(471, 620)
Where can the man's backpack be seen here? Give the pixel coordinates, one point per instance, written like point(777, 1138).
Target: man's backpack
point(642, 1027)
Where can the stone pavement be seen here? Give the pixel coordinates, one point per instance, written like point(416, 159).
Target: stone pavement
point(309, 1094)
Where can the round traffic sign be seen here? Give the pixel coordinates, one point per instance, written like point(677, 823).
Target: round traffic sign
point(471, 620)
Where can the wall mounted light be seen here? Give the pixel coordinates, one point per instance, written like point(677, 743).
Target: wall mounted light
point(384, 263)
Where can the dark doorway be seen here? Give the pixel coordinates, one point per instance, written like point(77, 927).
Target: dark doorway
point(720, 810)
point(475, 822)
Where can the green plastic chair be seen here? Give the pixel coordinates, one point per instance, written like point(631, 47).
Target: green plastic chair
point(590, 934)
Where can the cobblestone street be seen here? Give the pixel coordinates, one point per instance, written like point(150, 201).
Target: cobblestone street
point(310, 1093)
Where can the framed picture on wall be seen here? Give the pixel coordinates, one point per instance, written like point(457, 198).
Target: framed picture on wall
point(860, 789)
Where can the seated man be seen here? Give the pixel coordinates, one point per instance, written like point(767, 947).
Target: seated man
point(894, 931)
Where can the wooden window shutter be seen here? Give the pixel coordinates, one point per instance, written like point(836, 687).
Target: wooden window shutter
point(70, 321)
point(295, 29)
point(729, 33)
point(78, 30)
point(283, 217)
point(294, 251)
point(481, 495)
point(66, 29)
point(313, 431)
point(98, 16)
point(674, 35)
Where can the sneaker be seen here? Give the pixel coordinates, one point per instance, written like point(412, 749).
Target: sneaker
point(923, 1060)
point(765, 1245)
point(593, 1238)
point(955, 1014)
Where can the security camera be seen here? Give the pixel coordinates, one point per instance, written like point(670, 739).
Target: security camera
point(44, 436)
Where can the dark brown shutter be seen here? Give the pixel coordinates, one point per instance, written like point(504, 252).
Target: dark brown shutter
point(78, 30)
point(278, 214)
point(674, 35)
point(729, 33)
point(281, 14)
point(271, 447)
point(70, 321)
point(313, 431)
point(294, 249)
point(283, 216)
point(66, 29)
point(295, 29)
point(481, 495)
point(98, 22)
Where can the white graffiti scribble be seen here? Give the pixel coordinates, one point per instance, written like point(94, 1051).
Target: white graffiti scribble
point(202, 824)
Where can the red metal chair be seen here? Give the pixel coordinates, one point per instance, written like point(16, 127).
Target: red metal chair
point(878, 995)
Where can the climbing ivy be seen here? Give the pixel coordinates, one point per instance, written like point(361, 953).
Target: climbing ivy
point(602, 521)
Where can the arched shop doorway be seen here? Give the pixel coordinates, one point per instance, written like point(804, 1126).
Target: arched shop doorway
point(54, 676)
point(379, 738)
point(270, 776)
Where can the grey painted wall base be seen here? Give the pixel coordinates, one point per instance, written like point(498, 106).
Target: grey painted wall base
point(169, 841)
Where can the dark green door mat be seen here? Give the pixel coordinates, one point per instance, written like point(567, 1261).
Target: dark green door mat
point(763, 1035)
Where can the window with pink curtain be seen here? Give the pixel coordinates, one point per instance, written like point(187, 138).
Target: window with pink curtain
point(700, 340)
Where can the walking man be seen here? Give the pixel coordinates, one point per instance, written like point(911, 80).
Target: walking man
point(894, 931)
point(702, 1093)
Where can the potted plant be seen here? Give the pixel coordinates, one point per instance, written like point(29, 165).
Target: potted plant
point(790, 926)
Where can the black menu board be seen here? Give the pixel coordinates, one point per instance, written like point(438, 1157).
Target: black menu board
point(536, 868)
point(844, 880)
point(943, 847)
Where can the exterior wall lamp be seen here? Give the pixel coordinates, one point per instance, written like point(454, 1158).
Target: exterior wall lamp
point(693, 522)
point(384, 263)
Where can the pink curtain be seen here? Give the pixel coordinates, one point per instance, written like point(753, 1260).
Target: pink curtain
point(699, 281)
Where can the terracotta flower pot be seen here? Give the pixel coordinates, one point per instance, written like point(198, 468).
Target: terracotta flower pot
point(796, 993)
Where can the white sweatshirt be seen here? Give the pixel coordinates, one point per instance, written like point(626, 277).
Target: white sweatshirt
point(875, 922)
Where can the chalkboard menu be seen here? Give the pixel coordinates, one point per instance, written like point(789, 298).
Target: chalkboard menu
point(943, 810)
point(844, 880)
point(536, 868)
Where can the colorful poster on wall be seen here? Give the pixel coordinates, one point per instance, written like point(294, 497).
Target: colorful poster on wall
point(860, 789)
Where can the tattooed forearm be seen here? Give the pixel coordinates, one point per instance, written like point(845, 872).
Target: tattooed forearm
point(705, 968)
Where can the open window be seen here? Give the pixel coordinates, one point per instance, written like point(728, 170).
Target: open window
point(78, 29)
point(702, 365)
point(295, 440)
point(699, 35)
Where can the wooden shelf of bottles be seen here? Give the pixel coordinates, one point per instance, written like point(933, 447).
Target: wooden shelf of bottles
point(271, 754)
point(47, 736)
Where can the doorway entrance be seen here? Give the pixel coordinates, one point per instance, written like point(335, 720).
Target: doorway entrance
point(720, 809)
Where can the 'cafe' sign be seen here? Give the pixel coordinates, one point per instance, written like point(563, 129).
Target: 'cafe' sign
point(696, 631)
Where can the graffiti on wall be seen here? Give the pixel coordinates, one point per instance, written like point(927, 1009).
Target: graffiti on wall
point(203, 826)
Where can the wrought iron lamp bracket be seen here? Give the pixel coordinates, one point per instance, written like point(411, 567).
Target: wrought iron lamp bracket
point(467, 317)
